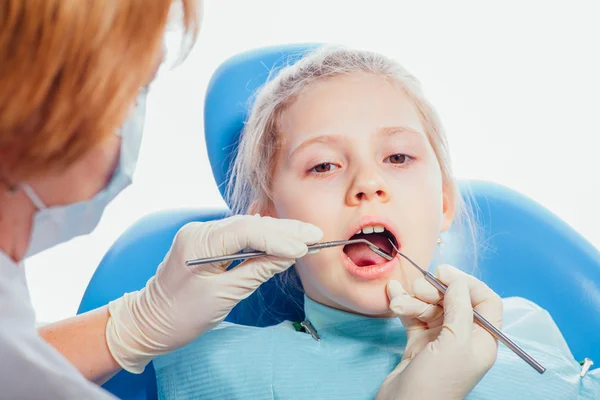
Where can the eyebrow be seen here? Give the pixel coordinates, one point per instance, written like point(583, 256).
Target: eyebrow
point(394, 130)
point(325, 139)
point(332, 139)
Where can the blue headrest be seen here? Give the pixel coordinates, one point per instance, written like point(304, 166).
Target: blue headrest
point(228, 100)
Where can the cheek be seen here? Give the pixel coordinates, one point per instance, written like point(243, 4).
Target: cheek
point(290, 206)
point(322, 275)
point(314, 202)
point(418, 203)
point(320, 204)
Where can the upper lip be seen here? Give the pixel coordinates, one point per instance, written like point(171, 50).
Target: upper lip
point(372, 220)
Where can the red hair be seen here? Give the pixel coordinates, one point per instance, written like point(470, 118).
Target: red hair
point(70, 71)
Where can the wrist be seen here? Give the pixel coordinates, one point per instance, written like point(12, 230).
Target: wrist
point(124, 338)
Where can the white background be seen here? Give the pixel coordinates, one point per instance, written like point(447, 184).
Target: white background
point(517, 84)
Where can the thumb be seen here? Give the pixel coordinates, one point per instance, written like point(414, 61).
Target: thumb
point(414, 313)
point(395, 289)
point(458, 314)
point(399, 298)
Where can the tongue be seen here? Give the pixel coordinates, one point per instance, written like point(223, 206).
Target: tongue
point(362, 256)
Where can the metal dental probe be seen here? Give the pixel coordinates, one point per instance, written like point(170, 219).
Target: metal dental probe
point(313, 247)
point(484, 323)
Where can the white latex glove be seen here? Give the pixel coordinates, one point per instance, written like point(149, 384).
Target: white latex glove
point(447, 354)
point(180, 303)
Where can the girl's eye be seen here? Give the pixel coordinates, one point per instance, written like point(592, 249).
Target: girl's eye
point(398, 159)
point(323, 167)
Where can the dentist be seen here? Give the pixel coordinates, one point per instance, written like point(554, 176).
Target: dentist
point(73, 83)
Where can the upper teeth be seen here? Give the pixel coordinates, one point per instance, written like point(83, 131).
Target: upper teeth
point(370, 229)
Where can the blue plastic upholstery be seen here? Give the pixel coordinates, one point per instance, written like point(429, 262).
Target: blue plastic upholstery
point(530, 252)
point(228, 100)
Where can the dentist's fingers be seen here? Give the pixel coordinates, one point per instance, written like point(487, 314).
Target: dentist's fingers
point(395, 289)
point(458, 315)
point(254, 272)
point(278, 237)
point(483, 299)
point(425, 291)
point(414, 308)
point(408, 307)
point(435, 349)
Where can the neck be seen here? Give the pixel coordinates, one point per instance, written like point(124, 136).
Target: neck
point(324, 318)
point(16, 219)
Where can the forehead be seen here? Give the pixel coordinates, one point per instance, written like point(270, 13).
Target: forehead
point(349, 104)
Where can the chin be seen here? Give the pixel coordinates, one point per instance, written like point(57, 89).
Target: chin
point(372, 302)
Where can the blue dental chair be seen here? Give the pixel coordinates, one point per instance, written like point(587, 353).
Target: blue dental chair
point(531, 252)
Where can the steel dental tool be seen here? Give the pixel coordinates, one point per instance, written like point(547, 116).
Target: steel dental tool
point(311, 248)
point(484, 323)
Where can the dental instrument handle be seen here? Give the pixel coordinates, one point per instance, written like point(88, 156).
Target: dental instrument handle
point(488, 326)
point(325, 245)
point(253, 254)
point(256, 254)
point(231, 257)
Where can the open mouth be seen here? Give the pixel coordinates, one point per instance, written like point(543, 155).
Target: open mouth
point(360, 253)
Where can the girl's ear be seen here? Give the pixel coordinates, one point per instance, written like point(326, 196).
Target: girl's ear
point(448, 208)
point(262, 210)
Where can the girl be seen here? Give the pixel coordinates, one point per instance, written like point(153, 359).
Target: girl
point(345, 140)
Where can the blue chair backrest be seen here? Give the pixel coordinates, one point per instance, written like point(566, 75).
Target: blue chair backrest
point(531, 252)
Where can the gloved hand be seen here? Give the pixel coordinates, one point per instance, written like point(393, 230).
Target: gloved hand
point(446, 354)
point(180, 303)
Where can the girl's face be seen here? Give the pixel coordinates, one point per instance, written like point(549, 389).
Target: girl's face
point(355, 158)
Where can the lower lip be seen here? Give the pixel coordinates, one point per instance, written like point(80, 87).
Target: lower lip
point(370, 272)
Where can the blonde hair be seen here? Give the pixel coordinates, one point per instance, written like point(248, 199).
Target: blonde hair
point(70, 71)
point(250, 181)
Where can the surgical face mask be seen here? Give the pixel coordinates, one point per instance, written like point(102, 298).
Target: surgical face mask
point(55, 225)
